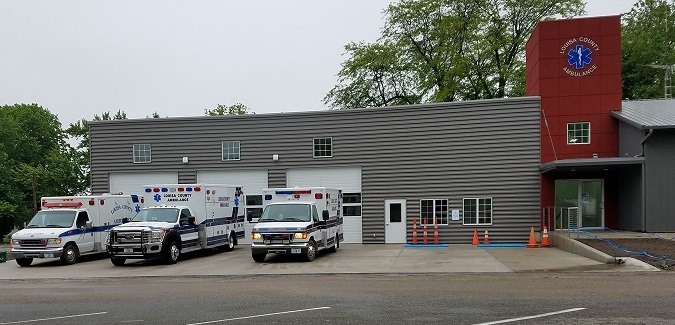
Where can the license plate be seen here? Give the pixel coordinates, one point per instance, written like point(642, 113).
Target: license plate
point(295, 251)
point(128, 250)
point(47, 255)
point(266, 241)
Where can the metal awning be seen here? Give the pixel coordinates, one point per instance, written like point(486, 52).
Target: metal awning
point(590, 164)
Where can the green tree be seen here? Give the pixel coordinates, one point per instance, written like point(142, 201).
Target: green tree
point(648, 48)
point(236, 109)
point(438, 51)
point(79, 131)
point(33, 153)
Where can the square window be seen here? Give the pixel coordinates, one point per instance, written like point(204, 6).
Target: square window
point(323, 147)
point(141, 153)
point(477, 211)
point(231, 150)
point(579, 133)
point(431, 210)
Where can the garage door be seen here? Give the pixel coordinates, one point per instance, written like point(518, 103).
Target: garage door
point(132, 183)
point(253, 181)
point(348, 180)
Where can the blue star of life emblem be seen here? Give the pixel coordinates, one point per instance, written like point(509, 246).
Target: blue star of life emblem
point(138, 208)
point(579, 57)
point(236, 201)
point(157, 197)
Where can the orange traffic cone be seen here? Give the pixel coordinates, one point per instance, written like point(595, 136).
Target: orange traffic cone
point(424, 236)
point(435, 232)
point(544, 238)
point(533, 240)
point(486, 239)
point(475, 240)
point(414, 230)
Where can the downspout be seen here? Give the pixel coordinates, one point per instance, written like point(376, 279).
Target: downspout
point(644, 182)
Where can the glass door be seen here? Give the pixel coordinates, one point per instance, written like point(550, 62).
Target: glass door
point(591, 203)
point(584, 196)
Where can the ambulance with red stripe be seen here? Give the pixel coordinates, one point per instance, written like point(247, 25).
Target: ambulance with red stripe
point(180, 218)
point(298, 221)
point(68, 227)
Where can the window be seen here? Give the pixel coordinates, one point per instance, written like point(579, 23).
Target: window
point(477, 211)
point(231, 150)
point(323, 147)
point(351, 204)
point(141, 153)
point(579, 133)
point(254, 207)
point(434, 210)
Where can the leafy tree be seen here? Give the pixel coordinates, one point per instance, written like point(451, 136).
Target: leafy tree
point(80, 132)
point(648, 47)
point(236, 109)
point(33, 153)
point(437, 51)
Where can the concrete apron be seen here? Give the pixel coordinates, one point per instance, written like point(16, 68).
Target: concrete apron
point(351, 259)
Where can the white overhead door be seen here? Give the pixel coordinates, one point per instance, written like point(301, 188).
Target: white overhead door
point(253, 181)
point(348, 179)
point(132, 183)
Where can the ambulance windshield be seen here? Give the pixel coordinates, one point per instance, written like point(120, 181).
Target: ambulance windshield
point(286, 213)
point(157, 215)
point(52, 219)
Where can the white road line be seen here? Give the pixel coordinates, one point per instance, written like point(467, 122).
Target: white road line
point(256, 316)
point(531, 317)
point(53, 318)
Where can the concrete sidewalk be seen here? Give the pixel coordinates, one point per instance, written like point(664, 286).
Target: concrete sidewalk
point(351, 259)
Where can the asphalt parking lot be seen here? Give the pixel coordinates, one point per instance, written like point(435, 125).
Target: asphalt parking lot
point(350, 259)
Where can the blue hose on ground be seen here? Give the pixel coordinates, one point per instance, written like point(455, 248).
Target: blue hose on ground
point(651, 234)
point(609, 241)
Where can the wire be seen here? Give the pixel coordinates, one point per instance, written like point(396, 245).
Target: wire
point(643, 253)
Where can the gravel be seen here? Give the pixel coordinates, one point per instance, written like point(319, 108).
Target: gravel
point(662, 250)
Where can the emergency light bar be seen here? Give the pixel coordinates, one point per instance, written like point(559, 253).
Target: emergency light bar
point(294, 192)
point(61, 204)
point(180, 189)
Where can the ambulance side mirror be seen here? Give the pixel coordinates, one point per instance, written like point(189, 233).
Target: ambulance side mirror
point(191, 221)
point(249, 216)
point(325, 215)
point(88, 224)
point(125, 220)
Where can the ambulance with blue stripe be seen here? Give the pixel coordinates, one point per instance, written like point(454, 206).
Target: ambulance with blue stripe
point(68, 227)
point(298, 221)
point(180, 218)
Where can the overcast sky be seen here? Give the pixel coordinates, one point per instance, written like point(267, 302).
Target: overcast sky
point(80, 58)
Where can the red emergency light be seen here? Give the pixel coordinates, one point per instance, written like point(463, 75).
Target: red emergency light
point(294, 192)
point(61, 204)
point(318, 196)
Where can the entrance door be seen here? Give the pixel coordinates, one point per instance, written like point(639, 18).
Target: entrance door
point(586, 195)
point(394, 221)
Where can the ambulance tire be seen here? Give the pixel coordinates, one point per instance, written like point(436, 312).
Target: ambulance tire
point(311, 251)
point(230, 243)
point(24, 261)
point(259, 257)
point(118, 261)
point(336, 246)
point(172, 253)
point(70, 254)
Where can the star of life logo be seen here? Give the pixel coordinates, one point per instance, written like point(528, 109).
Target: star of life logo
point(579, 56)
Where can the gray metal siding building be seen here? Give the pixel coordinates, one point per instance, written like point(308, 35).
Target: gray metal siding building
point(446, 152)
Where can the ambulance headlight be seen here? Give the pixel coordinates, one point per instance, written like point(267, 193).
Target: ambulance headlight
point(300, 235)
point(54, 241)
point(157, 235)
point(256, 235)
point(16, 242)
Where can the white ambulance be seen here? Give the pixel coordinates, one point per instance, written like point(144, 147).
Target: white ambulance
point(298, 221)
point(68, 227)
point(180, 218)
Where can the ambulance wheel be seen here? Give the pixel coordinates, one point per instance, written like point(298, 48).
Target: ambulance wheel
point(24, 261)
point(230, 243)
point(172, 253)
point(118, 261)
point(311, 251)
point(258, 257)
point(336, 246)
point(69, 256)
